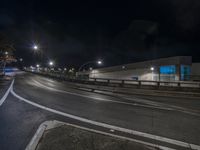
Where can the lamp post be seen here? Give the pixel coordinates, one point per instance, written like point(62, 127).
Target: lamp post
point(99, 62)
point(152, 69)
point(35, 47)
point(51, 63)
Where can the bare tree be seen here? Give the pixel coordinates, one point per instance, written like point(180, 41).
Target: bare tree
point(6, 52)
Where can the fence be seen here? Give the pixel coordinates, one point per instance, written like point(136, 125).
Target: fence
point(176, 85)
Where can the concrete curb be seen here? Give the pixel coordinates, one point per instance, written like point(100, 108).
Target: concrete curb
point(47, 125)
point(40, 131)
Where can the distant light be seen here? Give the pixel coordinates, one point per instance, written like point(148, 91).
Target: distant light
point(35, 47)
point(99, 62)
point(123, 67)
point(65, 69)
point(152, 68)
point(91, 68)
point(6, 53)
point(51, 63)
point(21, 59)
point(37, 65)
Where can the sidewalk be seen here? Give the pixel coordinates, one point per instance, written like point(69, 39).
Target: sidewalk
point(72, 138)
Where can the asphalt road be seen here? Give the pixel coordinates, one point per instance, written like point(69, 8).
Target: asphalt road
point(174, 119)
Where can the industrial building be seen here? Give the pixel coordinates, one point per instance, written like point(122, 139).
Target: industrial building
point(179, 68)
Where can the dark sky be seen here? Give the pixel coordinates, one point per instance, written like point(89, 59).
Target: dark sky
point(73, 32)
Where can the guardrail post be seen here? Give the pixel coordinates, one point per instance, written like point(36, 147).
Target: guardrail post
point(108, 81)
point(179, 84)
point(95, 80)
point(158, 83)
point(139, 83)
point(122, 84)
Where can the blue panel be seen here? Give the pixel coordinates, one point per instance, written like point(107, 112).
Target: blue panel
point(185, 72)
point(168, 69)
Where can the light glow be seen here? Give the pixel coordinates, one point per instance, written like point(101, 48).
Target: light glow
point(152, 68)
point(51, 63)
point(35, 47)
point(99, 62)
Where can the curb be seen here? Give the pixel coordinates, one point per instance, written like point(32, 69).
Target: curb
point(40, 131)
point(47, 125)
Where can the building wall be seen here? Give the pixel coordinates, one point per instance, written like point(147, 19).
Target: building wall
point(142, 71)
point(195, 69)
point(133, 74)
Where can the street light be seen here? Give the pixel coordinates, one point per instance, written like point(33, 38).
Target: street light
point(35, 47)
point(37, 65)
point(51, 63)
point(99, 62)
point(152, 68)
point(6, 53)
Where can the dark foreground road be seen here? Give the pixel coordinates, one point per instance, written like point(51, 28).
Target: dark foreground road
point(162, 122)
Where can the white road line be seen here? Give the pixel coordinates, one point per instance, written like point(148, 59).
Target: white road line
point(100, 99)
point(34, 141)
point(129, 131)
point(150, 105)
point(6, 94)
point(54, 123)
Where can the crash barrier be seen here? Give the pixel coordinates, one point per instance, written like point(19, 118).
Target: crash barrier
point(146, 84)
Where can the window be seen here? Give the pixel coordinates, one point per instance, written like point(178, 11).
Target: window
point(185, 72)
point(168, 69)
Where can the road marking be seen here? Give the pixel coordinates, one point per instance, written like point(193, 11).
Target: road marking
point(129, 131)
point(36, 138)
point(6, 94)
point(119, 136)
point(102, 99)
point(54, 124)
point(148, 105)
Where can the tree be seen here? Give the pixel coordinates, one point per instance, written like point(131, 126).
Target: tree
point(6, 52)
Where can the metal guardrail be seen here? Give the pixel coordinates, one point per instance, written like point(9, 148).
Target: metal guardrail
point(122, 83)
point(148, 82)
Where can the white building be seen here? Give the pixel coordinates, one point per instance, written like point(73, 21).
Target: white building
point(164, 69)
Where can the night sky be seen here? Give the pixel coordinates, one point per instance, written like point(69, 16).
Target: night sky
point(118, 32)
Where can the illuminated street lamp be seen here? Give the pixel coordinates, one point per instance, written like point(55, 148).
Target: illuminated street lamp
point(37, 65)
point(51, 63)
point(152, 68)
point(35, 47)
point(6, 53)
point(99, 62)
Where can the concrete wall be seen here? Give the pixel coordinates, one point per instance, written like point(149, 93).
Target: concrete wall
point(133, 74)
point(195, 69)
point(141, 70)
point(141, 74)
